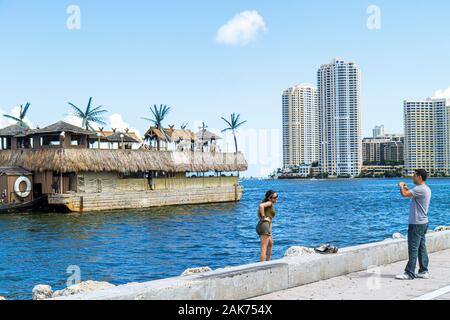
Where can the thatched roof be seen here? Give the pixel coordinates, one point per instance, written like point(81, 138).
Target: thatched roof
point(61, 126)
point(79, 160)
point(172, 134)
point(114, 136)
point(182, 134)
point(207, 135)
point(154, 132)
point(12, 130)
point(26, 133)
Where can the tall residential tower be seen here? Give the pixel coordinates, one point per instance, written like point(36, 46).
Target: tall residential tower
point(427, 136)
point(340, 146)
point(300, 126)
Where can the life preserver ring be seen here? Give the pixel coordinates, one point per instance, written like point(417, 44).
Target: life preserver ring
point(22, 194)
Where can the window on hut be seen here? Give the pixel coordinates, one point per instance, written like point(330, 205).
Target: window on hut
point(76, 140)
point(134, 175)
point(50, 141)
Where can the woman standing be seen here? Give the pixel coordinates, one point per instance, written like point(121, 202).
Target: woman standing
point(266, 213)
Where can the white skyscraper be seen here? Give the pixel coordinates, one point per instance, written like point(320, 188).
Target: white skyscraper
point(427, 136)
point(340, 149)
point(300, 126)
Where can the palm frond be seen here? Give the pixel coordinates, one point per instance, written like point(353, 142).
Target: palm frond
point(12, 118)
point(77, 111)
point(158, 113)
point(88, 108)
point(97, 113)
point(233, 123)
point(90, 115)
point(240, 124)
point(96, 120)
point(227, 122)
point(165, 110)
point(23, 112)
point(98, 108)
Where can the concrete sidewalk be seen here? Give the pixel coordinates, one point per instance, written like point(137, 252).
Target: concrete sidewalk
point(376, 284)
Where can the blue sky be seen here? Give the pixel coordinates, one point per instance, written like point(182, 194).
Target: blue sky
point(132, 54)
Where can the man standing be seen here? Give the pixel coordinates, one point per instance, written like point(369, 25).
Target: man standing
point(418, 225)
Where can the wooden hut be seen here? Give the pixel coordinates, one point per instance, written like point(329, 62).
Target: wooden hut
point(15, 185)
point(183, 139)
point(158, 138)
point(114, 138)
point(207, 140)
point(60, 134)
point(12, 137)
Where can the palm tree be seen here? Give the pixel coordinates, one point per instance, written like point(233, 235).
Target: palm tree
point(158, 117)
point(91, 115)
point(22, 114)
point(233, 125)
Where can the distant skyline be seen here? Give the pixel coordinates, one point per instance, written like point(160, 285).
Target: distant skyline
point(207, 59)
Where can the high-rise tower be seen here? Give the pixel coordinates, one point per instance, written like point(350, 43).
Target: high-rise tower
point(300, 126)
point(340, 147)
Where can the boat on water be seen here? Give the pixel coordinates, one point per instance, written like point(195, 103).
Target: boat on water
point(80, 170)
point(24, 207)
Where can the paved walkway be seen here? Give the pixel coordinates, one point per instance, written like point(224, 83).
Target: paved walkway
point(377, 284)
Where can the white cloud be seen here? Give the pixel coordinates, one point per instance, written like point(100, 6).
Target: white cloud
point(4, 122)
point(74, 120)
point(242, 29)
point(441, 94)
point(116, 121)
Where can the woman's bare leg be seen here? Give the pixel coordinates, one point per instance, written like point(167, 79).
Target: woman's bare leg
point(264, 243)
point(269, 248)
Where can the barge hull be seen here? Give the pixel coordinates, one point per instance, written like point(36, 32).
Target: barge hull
point(105, 201)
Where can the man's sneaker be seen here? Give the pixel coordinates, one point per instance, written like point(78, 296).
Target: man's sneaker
point(423, 275)
point(404, 276)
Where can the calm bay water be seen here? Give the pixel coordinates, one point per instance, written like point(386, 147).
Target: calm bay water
point(129, 246)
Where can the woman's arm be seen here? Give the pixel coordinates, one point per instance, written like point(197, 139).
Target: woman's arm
point(262, 206)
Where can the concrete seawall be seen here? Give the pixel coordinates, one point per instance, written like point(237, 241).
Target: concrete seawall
point(257, 279)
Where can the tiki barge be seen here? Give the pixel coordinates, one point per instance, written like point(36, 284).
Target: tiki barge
point(70, 168)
